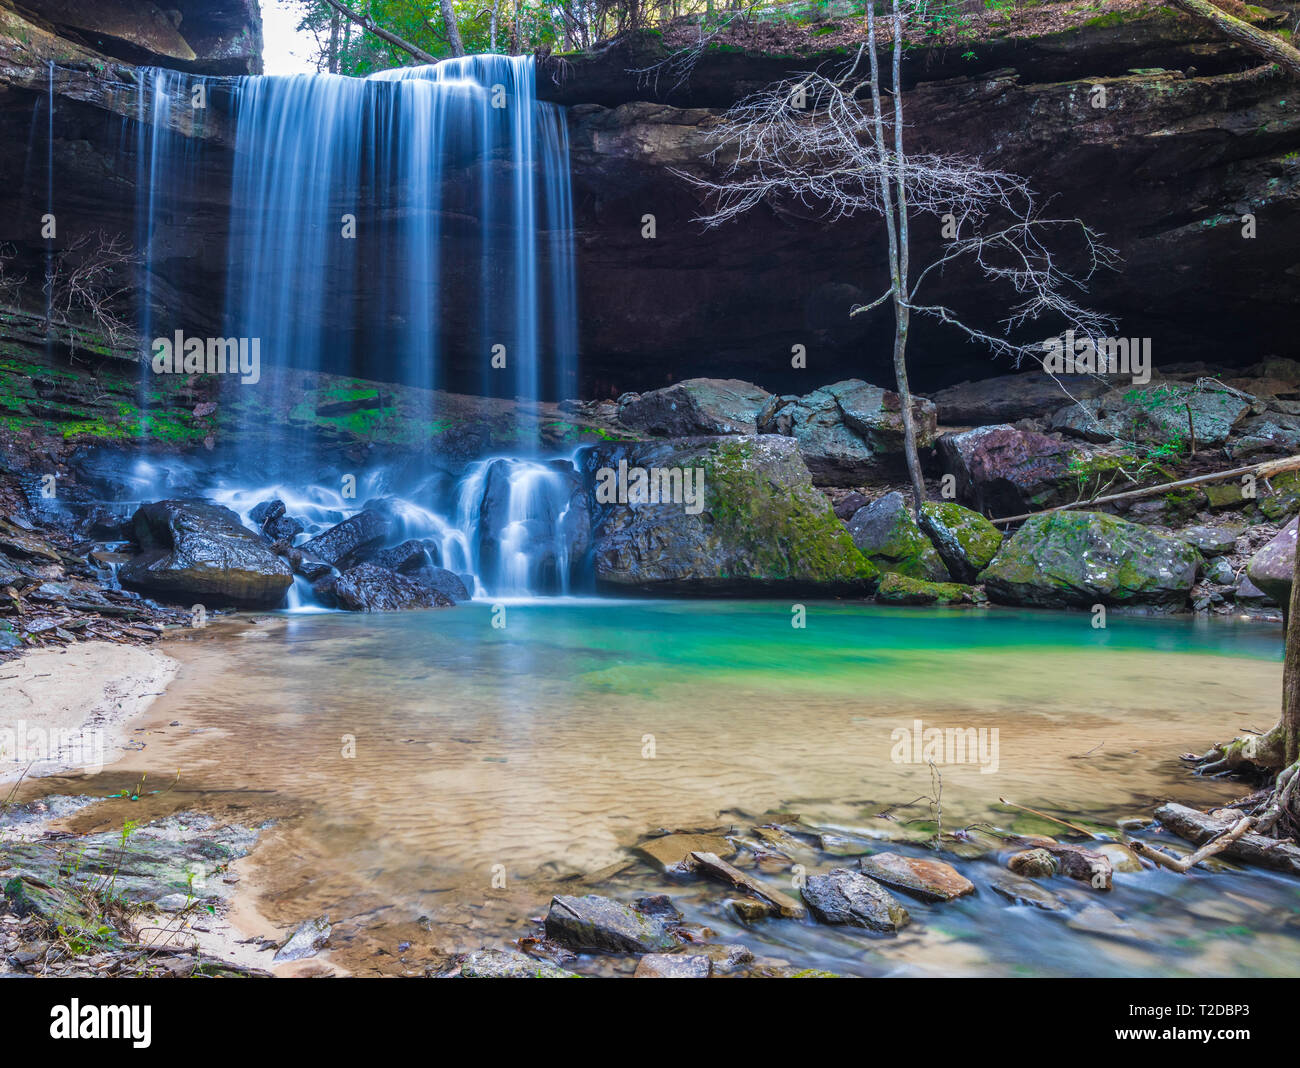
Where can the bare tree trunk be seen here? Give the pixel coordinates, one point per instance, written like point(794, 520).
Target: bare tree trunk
point(496, 12)
point(453, 28)
point(1291, 673)
point(383, 34)
point(514, 31)
point(332, 65)
point(902, 310)
point(1260, 41)
point(896, 228)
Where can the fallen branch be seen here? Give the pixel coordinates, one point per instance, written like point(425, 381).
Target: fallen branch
point(1243, 33)
point(1201, 829)
point(1262, 470)
point(1187, 863)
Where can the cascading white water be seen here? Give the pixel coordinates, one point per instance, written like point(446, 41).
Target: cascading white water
point(344, 186)
point(324, 163)
point(507, 532)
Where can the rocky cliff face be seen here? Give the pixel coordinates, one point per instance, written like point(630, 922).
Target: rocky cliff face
point(1192, 138)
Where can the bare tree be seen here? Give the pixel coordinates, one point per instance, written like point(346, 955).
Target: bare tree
point(86, 283)
point(832, 145)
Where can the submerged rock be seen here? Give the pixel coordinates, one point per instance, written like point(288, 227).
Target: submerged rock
point(715, 867)
point(848, 898)
point(1033, 863)
point(887, 534)
point(1021, 891)
point(1272, 568)
point(933, 880)
point(695, 406)
point(508, 964)
point(965, 540)
point(669, 850)
point(1080, 559)
point(606, 926)
point(307, 940)
point(672, 966)
point(193, 550)
point(759, 527)
point(367, 588)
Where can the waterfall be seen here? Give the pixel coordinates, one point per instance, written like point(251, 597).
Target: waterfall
point(354, 237)
point(412, 226)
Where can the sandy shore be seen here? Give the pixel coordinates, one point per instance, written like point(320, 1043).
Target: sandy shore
point(67, 709)
point(75, 709)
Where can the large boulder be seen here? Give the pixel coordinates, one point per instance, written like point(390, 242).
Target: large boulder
point(760, 526)
point(368, 588)
point(1085, 558)
point(195, 551)
point(1156, 414)
point(695, 406)
point(348, 542)
point(417, 558)
point(965, 540)
point(1006, 398)
point(1272, 568)
point(887, 534)
point(844, 430)
point(1003, 471)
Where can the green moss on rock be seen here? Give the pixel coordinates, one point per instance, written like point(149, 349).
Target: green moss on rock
point(898, 589)
point(1085, 558)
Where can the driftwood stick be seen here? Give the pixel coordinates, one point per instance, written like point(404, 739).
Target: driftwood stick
point(1044, 815)
point(1263, 470)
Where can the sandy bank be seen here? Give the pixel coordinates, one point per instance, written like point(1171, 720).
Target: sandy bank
point(67, 709)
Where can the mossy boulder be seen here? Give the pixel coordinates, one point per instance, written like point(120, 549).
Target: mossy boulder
point(1284, 500)
point(758, 526)
point(1225, 495)
point(965, 540)
point(898, 589)
point(888, 535)
point(1081, 559)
